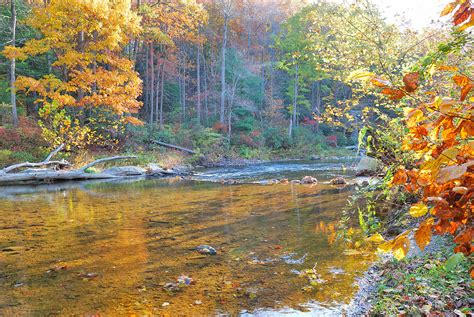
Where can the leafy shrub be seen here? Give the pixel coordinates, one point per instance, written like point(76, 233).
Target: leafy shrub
point(276, 138)
point(207, 138)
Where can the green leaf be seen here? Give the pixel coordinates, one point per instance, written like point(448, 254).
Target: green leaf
point(453, 261)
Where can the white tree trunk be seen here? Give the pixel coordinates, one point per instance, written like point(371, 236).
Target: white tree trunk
point(223, 86)
point(13, 66)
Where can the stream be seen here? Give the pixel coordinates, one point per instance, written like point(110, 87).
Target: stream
point(127, 247)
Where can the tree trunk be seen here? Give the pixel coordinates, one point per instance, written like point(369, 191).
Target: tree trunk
point(198, 75)
point(12, 66)
point(152, 82)
point(235, 82)
point(295, 103)
point(317, 104)
point(162, 93)
point(206, 97)
point(223, 87)
point(136, 41)
point(146, 94)
point(157, 94)
point(184, 90)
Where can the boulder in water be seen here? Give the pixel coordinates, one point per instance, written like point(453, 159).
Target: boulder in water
point(309, 180)
point(338, 181)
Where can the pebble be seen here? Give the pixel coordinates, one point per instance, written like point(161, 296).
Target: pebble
point(206, 249)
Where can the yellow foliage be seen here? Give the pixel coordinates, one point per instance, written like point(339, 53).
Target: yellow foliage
point(418, 210)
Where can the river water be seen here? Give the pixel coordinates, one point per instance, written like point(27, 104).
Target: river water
point(119, 248)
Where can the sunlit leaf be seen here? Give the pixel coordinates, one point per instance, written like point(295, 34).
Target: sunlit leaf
point(377, 238)
point(467, 24)
point(449, 8)
point(400, 247)
point(418, 210)
point(461, 80)
point(394, 94)
point(463, 13)
point(414, 117)
point(423, 233)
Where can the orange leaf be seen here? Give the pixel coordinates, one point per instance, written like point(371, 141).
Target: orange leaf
point(411, 81)
point(394, 94)
point(464, 236)
point(465, 90)
point(461, 80)
point(423, 233)
point(448, 68)
point(468, 24)
point(463, 13)
point(400, 177)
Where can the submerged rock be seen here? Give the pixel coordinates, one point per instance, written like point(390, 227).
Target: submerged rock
point(206, 249)
point(309, 180)
point(338, 181)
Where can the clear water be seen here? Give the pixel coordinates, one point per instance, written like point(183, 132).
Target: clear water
point(104, 248)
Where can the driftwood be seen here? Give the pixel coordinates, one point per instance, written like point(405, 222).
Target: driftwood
point(171, 146)
point(48, 175)
point(46, 162)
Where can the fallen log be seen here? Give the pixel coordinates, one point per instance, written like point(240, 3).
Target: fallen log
point(172, 146)
point(107, 159)
point(48, 175)
point(46, 162)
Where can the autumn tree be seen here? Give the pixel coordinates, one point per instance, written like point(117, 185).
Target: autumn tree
point(89, 71)
point(168, 27)
point(439, 119)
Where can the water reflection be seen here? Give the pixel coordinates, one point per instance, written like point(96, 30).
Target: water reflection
point(111, 248)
